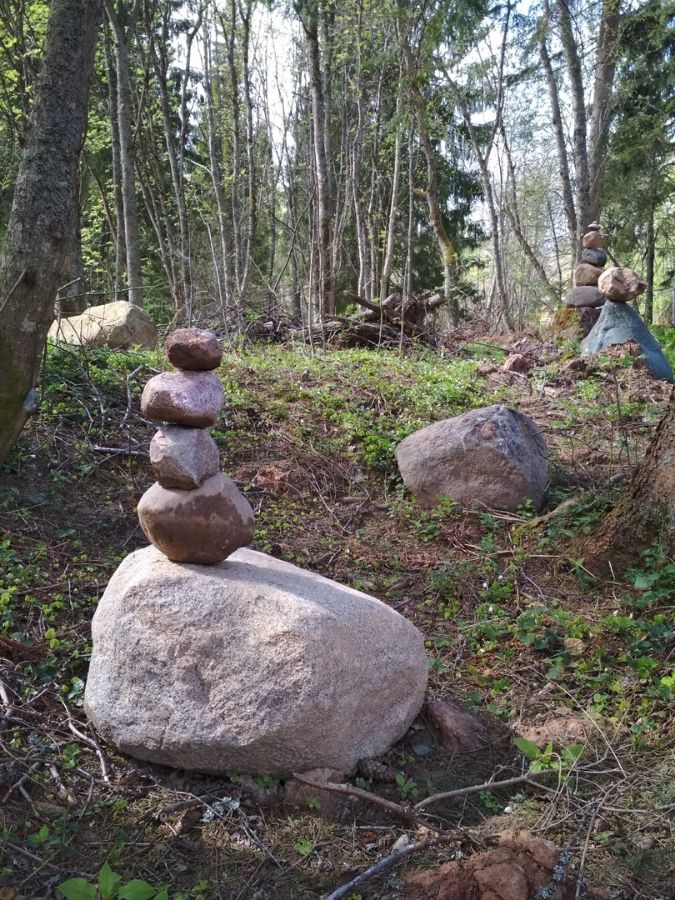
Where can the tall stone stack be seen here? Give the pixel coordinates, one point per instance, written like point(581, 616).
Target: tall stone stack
point(193, 513)
point(585, 293)
point(212, 657)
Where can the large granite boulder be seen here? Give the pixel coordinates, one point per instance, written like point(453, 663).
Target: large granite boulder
point(251, 666)
point(118, 325)
point(619, 323)
point(493, 457)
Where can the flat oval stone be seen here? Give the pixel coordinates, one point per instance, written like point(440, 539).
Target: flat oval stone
point(183, 458)
point(201, 526)
point(183, 398)
point(196, 349)
point(586, 275)
point(584, 296)
point(594, 257)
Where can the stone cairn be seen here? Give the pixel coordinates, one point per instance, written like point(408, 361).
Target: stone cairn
point(585, 296)
point(193, 513)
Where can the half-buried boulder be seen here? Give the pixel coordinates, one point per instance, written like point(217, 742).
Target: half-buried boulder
point(494, 457)
point(118, 325)
point(619, 323)
point(252, 666)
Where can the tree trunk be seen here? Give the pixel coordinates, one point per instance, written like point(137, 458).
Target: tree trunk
point(579, 141)
point(556, 120)
point(41, 220)
point(602, 95)
point(132, 240)
point(120, 240)
point(326, 290)
point(649, 275)
point(647, 512)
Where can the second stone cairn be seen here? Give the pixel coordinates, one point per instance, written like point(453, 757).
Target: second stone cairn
point(193, 513)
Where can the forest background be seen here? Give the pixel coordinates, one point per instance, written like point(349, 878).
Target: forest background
point(245, 160)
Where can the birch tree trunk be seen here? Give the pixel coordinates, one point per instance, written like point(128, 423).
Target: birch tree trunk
point(42, 216)
point(127, 171)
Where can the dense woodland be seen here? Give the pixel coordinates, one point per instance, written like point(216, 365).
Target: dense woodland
point(244, 160)
point(377, 207)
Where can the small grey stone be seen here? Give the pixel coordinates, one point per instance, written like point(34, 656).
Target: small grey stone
point(182, 457)
point(584, 296)
point(594, 257)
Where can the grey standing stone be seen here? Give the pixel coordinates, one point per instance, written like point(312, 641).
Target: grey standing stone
point(251, 666)
point(494, 457)
point(619, 323)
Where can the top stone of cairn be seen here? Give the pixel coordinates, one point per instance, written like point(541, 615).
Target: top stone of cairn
point(195, 349)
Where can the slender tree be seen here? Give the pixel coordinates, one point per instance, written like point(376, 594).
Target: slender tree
point(42, 218)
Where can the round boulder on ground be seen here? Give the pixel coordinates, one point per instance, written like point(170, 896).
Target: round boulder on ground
point(493, 457)
point(183, 457)
point(194, 399)
point(203, 526)
point(194, 348)
point(251, 666)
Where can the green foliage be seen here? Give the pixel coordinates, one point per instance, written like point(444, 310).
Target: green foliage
point(110, 887)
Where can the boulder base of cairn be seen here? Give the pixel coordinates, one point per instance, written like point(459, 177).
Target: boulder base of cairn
point(194, 399)
point(619, 323)
point(203, 525)
point(584, 296)
point(182, 457)
point(620, 284)
point(493, 457)
point(194, 348)
point(586, 275)
point(252, 666)
point(118, 325)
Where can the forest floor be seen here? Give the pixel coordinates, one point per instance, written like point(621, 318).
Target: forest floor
point(516, 630)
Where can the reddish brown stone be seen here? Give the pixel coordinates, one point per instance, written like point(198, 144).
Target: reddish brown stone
point(201, 526)
point(183, 398)
point(620, 284)
point(592, 240)
point(518, 362)
point(454, 728)
point(194, 348)
point(183, 457)
point(586, 275)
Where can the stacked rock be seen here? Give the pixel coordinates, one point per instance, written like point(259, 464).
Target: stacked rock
point(193, 513)
point(585, 292)
point(619, 322)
